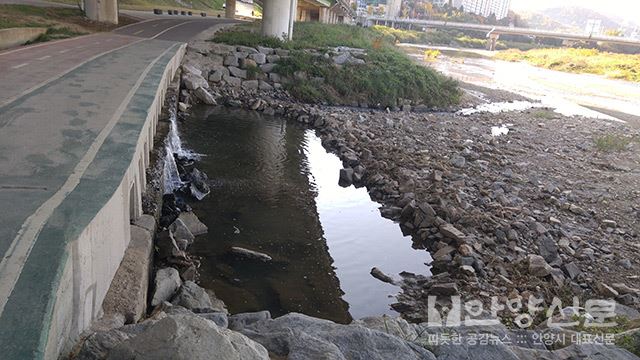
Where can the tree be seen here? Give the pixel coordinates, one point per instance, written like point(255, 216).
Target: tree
point(614, 32)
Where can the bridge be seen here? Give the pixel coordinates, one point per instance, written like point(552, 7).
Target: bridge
point(493, 32)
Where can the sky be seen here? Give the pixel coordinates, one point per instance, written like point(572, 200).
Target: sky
point(626, 9)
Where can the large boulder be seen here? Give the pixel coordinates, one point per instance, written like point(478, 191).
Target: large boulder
point(188, 337)
point(167, 282)
point(191, 221)
point(181, 234)
point(192, 297)
point(397, 327)
point(192, 81)
point(298, 336)
point(205, 96)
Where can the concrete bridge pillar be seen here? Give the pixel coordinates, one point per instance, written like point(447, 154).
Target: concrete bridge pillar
point(102, 10)
point(324, 15)
point(277, 18)
point(230, 9)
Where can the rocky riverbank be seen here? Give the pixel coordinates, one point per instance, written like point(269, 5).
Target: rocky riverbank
point(512, 206)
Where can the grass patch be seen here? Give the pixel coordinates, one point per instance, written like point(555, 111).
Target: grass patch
point(544, 114)
point(435, 37)
point(630, 342)
point(206, 5)
point(590, 61)
point(61, 23)
point(388, 77)
point(55, 34)
point(613, 142)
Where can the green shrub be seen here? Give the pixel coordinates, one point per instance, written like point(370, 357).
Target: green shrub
point(387, 76)
point(613, 142)
point(591, 61)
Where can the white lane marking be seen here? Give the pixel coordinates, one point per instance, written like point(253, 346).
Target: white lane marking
point(134, 24)
point(18, 252)
point(63, 51)
point(175, 26)
point(19, 66)
point(36, 87)
point(155, 25)
point(44, 57)
point(138, 32)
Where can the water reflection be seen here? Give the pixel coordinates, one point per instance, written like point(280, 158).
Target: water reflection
point(274, 190)
point(359, 238)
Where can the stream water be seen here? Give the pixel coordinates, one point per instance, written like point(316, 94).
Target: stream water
point(569, 94)
point(274, 189)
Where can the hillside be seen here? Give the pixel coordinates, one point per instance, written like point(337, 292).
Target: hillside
point(206, 5)
point(576, 17)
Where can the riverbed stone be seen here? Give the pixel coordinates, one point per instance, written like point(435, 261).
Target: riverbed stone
point(215, 77)
point(378, 274)
point(263, 85)
point(247, 63)
point(346, 177)
point(221, 319)
point(192, 297)
point(188, 337)
point(193, 81)
point(191, 221)
point(231, 60)
point(237, 72)
point(273, 58)
point(246, 49)
point(191, 69)
point(538, 266)
point(267, 68)
point(250, 254)
point(250, 84)
point(166, 283)
point(205, 96)
point(451, 232)
point(240, 321)
point(265, 50)
point(258, 58)
point(233, 81)
point(181, 234)
point(395, 326)
point(298, 336)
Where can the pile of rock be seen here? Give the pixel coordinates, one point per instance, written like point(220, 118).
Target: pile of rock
point(173, 240)
point(211, 65)
point(174, 332)
point(492, 225)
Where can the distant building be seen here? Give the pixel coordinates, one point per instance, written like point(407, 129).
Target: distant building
point(593, 27)
point(500, 8)
point(361, 9)
point(635, 34)
point(439, 2)
point(393, 8)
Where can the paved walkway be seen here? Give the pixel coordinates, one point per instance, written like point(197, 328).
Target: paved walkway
point(70, 116)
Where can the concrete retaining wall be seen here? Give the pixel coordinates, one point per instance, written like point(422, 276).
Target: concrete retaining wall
point(95, 256)
point(18, 36)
